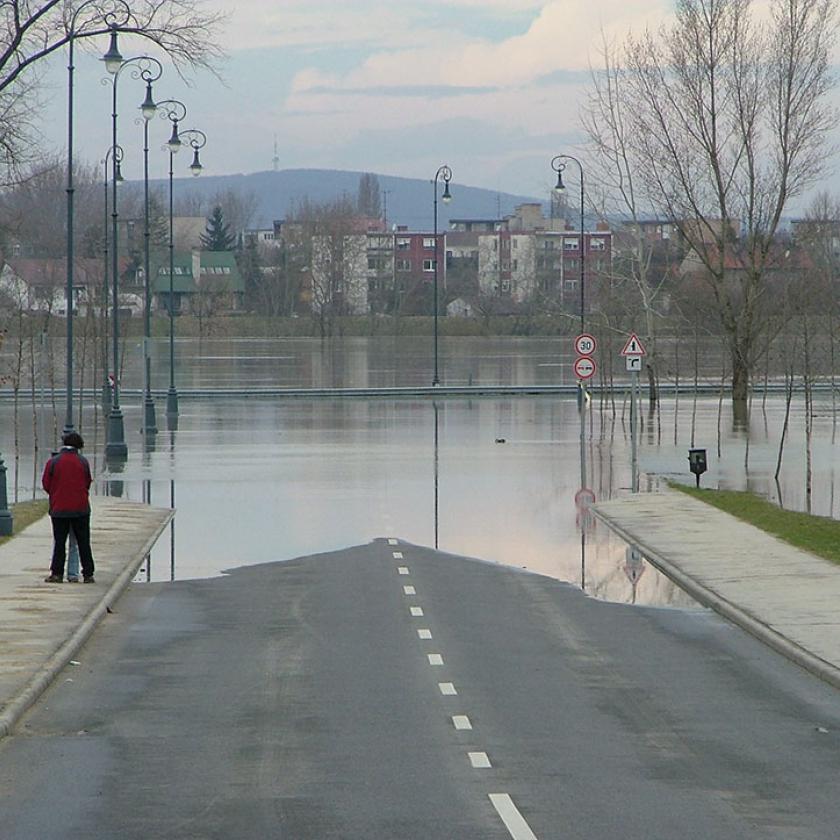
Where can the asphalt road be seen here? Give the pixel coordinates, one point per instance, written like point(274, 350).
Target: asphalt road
point(311, 699)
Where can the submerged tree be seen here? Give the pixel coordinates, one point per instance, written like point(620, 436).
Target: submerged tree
point(727, 119)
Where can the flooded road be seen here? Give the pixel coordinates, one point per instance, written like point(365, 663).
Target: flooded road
point(261, 480)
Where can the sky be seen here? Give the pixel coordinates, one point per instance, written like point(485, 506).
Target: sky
point(490, 87)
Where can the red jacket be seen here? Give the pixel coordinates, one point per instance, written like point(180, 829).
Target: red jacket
point(67, 480)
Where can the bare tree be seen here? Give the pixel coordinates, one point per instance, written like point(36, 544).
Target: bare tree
point(29, 32)
point(615, 193)
point(728, 120)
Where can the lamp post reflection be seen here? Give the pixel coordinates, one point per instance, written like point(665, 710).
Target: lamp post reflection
point(437, 472)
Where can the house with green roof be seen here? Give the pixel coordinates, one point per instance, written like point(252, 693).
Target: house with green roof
point(202, 282)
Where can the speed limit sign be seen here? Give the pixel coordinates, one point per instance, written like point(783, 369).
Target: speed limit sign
point(585, 344)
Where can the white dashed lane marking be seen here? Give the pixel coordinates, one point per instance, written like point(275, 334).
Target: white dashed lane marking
point(461, 722)
point(409, 590)
point(398, 555)
point(435, 659)
point(447, 689)
point(479, 760)
point(392, 542)
point(417, 612)
point(513, 820)
point(424, 633)
point(403, 570)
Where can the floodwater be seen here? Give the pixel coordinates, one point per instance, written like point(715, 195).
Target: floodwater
point(261, 480)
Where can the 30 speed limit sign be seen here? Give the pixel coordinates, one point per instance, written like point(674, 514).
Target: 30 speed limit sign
point(584, 367)
point(585, 344)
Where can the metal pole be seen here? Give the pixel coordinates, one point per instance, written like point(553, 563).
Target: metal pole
point(116, 446)
point(634, 464)
point(436, 378)
point(172, 395)
point(149, 418)
point(582, 253)
point(68, 416)
point(106, 385)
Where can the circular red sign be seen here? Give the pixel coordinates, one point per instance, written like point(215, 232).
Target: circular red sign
point(584, 367)
point(585, 344)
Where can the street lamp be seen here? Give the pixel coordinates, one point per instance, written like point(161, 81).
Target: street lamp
point(117, 152)
point(558, 165)
point(147, 110)
point(174, 111)
point(115, 447)
point(446, 173)
point(115, 18)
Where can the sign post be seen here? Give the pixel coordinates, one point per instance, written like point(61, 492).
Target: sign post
point(584, 368)
point(633, 352)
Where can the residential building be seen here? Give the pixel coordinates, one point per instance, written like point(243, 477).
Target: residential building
point(202, 281)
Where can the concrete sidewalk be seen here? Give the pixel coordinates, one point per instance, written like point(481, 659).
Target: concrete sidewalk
point(42, 625)
point(784, 596)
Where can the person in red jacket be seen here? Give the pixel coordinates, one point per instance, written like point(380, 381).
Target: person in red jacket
point(67, 480)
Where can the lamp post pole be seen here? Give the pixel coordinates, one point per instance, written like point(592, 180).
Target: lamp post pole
point(118, 17)
point(148, 110)
point(174, 111)
point(116, 447)
point(445, 173)
point(558, 164)
point(106, 385)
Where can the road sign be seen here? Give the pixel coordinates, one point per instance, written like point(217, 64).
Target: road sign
point(634, 363)
point(585, 344)
point(584, 367)
point(634, 347)
point(584, 498)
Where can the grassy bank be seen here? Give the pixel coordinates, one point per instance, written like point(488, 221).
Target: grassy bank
point(25, 513)
point(817, 534)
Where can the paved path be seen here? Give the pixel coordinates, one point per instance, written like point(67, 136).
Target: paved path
point(42, 625)
point(788, 598)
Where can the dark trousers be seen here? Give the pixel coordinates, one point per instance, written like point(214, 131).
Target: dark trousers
point(81, 529)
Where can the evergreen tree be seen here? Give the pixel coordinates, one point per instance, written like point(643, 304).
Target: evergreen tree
point(369, 202)
point(217, 235)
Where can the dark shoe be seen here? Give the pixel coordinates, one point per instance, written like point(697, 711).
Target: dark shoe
point(89, 579)
point(53, 579)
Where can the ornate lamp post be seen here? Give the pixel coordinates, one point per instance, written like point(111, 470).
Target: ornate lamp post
point(174, 111)
point(116, 448)
point(558, 165)
point(445, 173)
point(148, 110)
point(115, 18)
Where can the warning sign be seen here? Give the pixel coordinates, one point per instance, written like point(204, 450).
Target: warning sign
point(634, 347)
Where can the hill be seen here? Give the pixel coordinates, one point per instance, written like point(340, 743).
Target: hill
point(409, 200)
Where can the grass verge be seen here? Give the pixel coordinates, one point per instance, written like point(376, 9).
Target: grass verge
point(818, 534)
point(25, 513)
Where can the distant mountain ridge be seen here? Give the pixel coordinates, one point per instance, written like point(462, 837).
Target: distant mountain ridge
point(409, 200)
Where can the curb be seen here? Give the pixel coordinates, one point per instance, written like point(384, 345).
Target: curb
point(44, 677)
point(733, 613)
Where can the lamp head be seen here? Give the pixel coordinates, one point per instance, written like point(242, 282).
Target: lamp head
point(118, 177)
point(446, 198)
point(149, 108)
point(559, 187)
point(195, 166)
point(113, 58)
point(174, 142)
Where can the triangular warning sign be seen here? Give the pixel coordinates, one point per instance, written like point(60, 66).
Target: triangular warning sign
point(634, 347)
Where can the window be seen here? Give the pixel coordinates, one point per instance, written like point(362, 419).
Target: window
point(570, 243)
point(515, 264)
point(505, 285)
point(571, 264)
point(548, 245)
point(403, 243)
point(505, 265)
point(597, 245)
point(403, 265)
point(428, 242)
point(515, 243)
point(429, 265)
point(226, 269)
